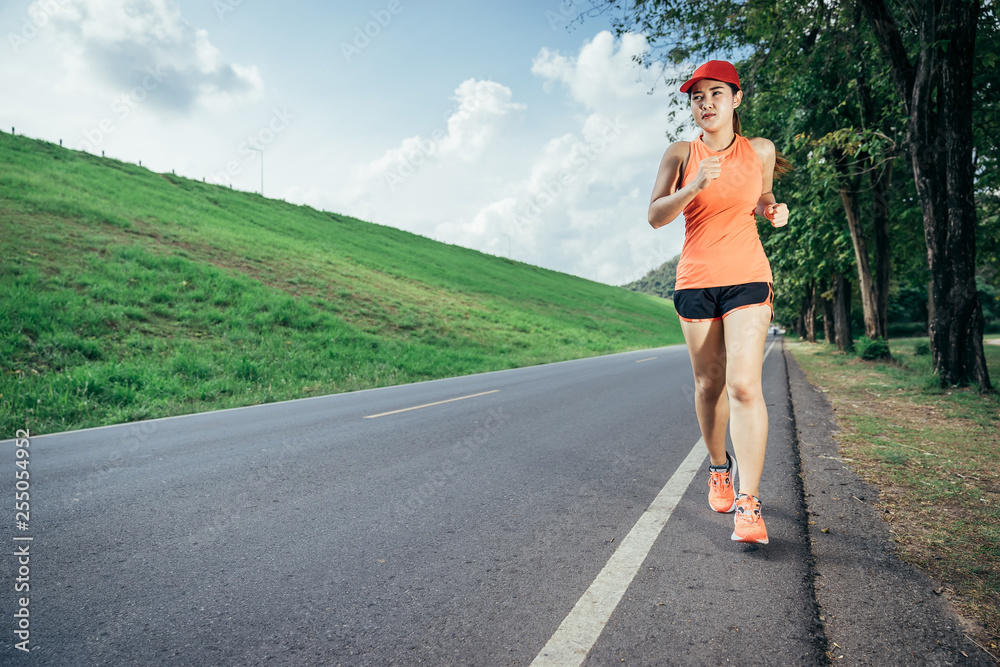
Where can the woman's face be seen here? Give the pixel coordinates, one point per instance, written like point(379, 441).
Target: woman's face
point(712, 104)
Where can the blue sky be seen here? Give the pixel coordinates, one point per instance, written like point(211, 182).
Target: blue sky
point(500, 127)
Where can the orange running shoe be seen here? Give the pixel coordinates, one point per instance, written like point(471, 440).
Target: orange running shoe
point(749, 524)
point(721, 492)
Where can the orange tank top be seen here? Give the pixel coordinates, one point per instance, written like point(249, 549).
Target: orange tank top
point(721, 244)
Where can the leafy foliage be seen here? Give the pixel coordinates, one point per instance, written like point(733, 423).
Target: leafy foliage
point(818, 85)
point(872, 350)
point(658, 282)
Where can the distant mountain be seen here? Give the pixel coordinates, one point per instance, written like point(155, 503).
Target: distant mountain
point(659, 281)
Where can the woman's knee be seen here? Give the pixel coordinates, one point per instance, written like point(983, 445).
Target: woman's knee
point(744, 391)
point(709, 386)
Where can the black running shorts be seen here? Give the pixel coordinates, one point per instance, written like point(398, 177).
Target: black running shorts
point(714, 303)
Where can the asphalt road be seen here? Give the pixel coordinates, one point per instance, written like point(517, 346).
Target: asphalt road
point(323, 531)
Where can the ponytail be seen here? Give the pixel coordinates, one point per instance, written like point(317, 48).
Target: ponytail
point(781, 165)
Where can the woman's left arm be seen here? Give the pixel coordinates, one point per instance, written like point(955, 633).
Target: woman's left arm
point(767, 206)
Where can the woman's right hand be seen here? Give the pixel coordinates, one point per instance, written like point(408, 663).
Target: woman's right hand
point(709, 169)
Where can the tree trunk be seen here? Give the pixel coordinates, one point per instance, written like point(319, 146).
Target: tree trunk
point(930, 304)
point(829, 332)
point(842, 313)
point(876, 324)
point(957, 328)
point(869, 300)
point(935, 93)
point(880, 181)
point(809, 314)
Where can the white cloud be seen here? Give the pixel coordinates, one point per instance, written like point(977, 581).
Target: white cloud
point(134, 80)
point(575, 203)
point(148, 48)
point(563, 183)
point(482, 112)
point(601, 77)
point(583, 208)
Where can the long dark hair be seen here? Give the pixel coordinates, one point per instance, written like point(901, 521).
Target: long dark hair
point(781, 164)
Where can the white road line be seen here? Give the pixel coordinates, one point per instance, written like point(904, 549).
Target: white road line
point(578, 632)
point(427, 405)
point(647, 359)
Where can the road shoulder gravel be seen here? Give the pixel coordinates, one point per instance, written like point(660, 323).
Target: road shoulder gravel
point(875, 609)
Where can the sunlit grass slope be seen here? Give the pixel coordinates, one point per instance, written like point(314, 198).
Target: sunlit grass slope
point(127, 294)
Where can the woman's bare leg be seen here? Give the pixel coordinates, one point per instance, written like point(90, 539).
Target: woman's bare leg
point(706, 345)
point(745, 332)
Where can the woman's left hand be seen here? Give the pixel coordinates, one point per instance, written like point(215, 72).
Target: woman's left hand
point(777, 214)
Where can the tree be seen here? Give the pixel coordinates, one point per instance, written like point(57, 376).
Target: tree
point(814, 252)
point(986, 126)
point(808, 74)
point(936, 86)
point(928, 50)
point(659, 281)
point(855, 129)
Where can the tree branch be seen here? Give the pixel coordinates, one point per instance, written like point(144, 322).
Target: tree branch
point(891, 41)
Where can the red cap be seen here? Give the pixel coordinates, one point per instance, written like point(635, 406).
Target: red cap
point(720, 70)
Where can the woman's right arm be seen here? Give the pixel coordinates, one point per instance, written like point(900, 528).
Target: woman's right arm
point(667, 200)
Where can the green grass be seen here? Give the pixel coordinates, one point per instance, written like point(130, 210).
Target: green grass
point(932, 452)
point(128, 295)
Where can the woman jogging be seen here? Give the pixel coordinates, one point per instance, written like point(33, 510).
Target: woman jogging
point(723, 291)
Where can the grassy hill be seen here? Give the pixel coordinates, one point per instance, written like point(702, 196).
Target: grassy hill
point(127, 294)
